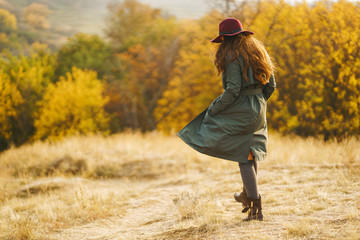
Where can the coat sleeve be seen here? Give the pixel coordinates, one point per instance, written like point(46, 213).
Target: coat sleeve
point(269, 88)
point(233, 86)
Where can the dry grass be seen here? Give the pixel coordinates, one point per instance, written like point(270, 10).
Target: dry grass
point(151, 186)
point(37, 214)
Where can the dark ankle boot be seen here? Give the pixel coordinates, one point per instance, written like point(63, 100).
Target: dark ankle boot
point(254, 208)
point(241, 198)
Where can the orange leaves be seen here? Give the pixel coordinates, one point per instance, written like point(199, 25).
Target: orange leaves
point(145, 78)
point(147, 44)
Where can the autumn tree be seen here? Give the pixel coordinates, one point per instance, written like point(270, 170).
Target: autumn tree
point(143, 83)
point(31, 75)
point(36, 15)
point(146, 43)
point(10, 99)
point(130, 23)
point(73, 105)
point(8, 24)
point(8, 21)
point(331, 103)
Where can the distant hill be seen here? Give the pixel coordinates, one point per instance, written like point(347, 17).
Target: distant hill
point(67, 17)
point(71, 16)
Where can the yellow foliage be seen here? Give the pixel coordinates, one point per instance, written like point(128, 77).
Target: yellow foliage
point(3, 38)
point(7, 20)
point(10, 99)
point(39, 47)
point(31, 74)
point(74, 105)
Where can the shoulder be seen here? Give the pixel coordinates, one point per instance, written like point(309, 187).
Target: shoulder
point(237, 63)
point(233, 66)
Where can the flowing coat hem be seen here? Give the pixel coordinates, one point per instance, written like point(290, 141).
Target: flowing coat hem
point(258, 156)
point(203, 152)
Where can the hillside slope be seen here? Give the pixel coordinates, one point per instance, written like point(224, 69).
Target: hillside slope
point(66, 19)
point(71, 16)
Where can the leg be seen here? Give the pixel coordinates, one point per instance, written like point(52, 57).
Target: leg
point(253, 198)
point(255, 165)
point(240, 197)
point(243, 196)
point(248, 176)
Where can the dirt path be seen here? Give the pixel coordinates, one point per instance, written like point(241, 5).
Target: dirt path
point(151, 214)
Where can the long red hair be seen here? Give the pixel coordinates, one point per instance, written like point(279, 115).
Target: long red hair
point(253, 53)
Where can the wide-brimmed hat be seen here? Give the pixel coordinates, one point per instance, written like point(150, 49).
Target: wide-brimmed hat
point(229, 27)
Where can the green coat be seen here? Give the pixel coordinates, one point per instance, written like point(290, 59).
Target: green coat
point(235, 121)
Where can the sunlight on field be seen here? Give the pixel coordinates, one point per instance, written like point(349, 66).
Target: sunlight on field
point(151, 186)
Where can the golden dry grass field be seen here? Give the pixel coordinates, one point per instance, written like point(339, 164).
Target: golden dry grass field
point(151, 186)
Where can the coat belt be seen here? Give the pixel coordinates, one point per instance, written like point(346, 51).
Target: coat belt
point(251, 91)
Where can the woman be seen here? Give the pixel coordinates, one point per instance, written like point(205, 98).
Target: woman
point(234, 126)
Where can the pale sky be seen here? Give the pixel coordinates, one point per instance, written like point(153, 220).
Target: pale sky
point(192, 8)
point(181, 8)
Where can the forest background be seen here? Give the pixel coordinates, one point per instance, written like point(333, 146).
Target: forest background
point(152, 71)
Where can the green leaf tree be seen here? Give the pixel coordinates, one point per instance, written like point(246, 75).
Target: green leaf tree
point(85, 51)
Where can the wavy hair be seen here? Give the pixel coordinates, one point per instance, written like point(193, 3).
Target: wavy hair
point(253, 53)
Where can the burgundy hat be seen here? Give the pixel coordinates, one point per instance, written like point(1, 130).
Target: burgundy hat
point(229, 27)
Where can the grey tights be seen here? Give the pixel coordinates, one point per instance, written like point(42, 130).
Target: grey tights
point(248, 173)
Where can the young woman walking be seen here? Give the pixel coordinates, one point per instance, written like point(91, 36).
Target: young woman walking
point(234, 126)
